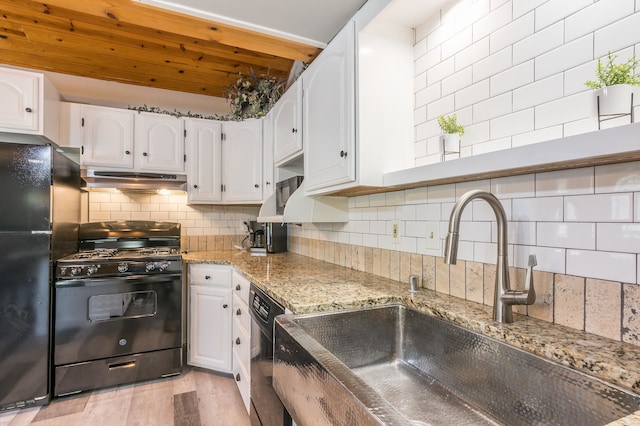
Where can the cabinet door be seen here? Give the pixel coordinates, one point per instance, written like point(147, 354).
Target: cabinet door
point(328, 114)
point(107, 137)
point(210, 328)
point(20, 106)
point(204, 163)
point(159, 143)
point(242, 161)
point(287, 125)
point(268, 170)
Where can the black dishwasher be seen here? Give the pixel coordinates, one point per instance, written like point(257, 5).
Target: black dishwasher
point(266, 408)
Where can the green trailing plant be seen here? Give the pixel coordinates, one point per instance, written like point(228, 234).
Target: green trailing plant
point(610, 73)
point(176, 113)
point(450, 124)
point(252, 96)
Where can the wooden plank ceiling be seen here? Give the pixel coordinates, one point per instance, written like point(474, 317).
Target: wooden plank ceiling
point(128, 42)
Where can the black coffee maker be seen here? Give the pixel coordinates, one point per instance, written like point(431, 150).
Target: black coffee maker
point(272, 236)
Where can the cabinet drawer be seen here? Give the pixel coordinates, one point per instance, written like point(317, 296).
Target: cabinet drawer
point(241, 287)
point(242, 376)
point(241, 313)
point(210, 275)
point(241, 343)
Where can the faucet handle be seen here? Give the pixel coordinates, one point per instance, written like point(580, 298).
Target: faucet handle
point(528, 281)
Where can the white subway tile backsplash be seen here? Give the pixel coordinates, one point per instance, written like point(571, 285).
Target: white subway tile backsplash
point(475, 231)
point(457, 81)
point(420, 48)
point(377, 200)
point(442, 106)
point(570, 108)
point(518, 29)
point(556, 10)
point(512, 78)
point(491, 65)
point(416, 195)
point(427, 61)
point(512, 124)
point(623, 177)
point(575, 77)
point(386, 213)
point(522, 233)
point(514, 186)
point(595, 16)
point(395, 198)
point(567, 56)
point(440, 34)
point(474, 134)
point(536, 136)
point(406, 212)
point(578, 127)
point(472, 54)
point(491, 146)
point(473, 94)
point(463, 187)
point(499, 17)
point(538, 43)
point(599, 208)
point(456, 43)
point(549, 259)
point(428, 212)
point(620, 237)
point(465, 250)
point(429, 94)
point(440, 71)
point(482, 211)
point(520, 7)
point(602, 265)
point(442, 193)
point(569, 235)
point(619, 35)
point(565, 182)
point(492, 108)
point(547, 209)
point(370, 240)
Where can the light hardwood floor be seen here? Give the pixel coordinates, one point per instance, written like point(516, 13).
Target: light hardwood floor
point(196, 397)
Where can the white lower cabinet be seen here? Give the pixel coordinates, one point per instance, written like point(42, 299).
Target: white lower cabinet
point(242, 338)
point(210, 299)
point(220, 324)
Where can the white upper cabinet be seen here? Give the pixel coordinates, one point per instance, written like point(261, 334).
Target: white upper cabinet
point(107, 137)
point(204, 156)
point(287, 125)
point(268, 167)
point(225, 162)
point(358, 104)
point(242, 161)
point(328, 114)
point(159, 143)
point(29, 104)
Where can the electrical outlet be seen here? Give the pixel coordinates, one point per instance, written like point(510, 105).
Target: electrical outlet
point(394, 233)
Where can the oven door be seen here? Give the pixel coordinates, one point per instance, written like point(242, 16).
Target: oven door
point(115, 316)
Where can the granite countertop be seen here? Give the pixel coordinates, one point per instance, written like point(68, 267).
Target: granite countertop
point(306, 285)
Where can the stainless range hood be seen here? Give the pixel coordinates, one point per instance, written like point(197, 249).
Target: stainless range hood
point(133, 180)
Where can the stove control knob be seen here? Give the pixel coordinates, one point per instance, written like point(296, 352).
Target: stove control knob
point(123, 267)
point(75, 270)
point(150, 267)
point(163, 266)
point(92, 269)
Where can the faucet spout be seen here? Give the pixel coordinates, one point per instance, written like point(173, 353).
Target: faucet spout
point(504, 297)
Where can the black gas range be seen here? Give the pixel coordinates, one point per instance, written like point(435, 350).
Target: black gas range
point(118, 306)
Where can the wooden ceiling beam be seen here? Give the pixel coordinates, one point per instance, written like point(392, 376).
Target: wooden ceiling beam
point(127, 11)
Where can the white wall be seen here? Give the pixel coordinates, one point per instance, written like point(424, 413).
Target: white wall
point(514, 71)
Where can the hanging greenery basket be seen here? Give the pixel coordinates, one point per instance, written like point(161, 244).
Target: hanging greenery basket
point(252, 96)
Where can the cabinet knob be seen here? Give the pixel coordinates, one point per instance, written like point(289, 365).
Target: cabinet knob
point(294, 130)
point(225, 306)
point(195, 186)
point(238, 312)
point(144, 154)
point(267, 183)
point(207, 277)
point(256, 186)
point(237, 341)
point(238, 377)
point(28, 109)
point(238, 287)
point(127, 152)
point(343, 154)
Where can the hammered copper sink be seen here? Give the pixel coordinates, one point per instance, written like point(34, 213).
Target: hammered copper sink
point(396, 366)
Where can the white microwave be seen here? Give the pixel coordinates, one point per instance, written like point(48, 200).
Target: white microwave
point(284, 189)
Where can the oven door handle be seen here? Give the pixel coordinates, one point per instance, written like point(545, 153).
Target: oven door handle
point(88, 282)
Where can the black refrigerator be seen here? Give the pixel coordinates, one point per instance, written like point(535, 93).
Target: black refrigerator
point(39, 216)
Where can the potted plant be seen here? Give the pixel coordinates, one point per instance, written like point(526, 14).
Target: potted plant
point(252, 96)
point(614, 86)
point(451, 133)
